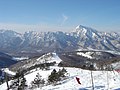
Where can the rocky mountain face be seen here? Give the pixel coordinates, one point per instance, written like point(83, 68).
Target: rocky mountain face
point(41, 42)
point(92, 39)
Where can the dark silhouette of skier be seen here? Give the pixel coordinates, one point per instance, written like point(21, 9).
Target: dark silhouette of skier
point(78, 80)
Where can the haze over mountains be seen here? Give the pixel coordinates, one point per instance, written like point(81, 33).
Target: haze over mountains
point(41, 42)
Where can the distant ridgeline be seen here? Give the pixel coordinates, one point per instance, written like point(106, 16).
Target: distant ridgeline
point(32, 43)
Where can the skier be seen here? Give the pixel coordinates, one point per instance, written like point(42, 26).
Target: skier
point(78, 80)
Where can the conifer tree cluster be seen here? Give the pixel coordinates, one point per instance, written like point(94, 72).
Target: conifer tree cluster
point(19, 83)
point(57, 76)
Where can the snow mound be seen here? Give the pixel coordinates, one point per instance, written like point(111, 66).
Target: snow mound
point(6, 70)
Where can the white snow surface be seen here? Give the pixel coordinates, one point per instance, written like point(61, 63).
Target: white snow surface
point(6, 70)
point(93, 35)
point(20, 58)
point(84, 55)
point(49, 59)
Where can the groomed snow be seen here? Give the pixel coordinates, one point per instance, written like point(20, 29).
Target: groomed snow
point(100, 80)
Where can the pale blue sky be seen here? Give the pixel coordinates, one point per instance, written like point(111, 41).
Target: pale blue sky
point(65, 15)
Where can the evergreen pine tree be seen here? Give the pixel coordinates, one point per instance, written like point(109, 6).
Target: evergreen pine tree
point(38, 81)
point(53, 77)
point(56, 76)
point(23, 83)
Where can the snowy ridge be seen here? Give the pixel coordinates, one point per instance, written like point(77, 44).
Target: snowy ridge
point(91, 38)
point(46, 58)
point(86, 31)
point(49, 57)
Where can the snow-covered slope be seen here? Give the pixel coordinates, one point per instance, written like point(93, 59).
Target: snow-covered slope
point(103, 80)
point(91, 38)
point(26, 64)
point(100, 80)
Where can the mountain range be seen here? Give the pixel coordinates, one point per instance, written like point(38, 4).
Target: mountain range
point(81, 37)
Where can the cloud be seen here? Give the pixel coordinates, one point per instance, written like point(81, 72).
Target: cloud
point(65, 18)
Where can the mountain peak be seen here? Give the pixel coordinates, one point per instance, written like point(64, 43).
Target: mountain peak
point(80, 27)
point(85, 30)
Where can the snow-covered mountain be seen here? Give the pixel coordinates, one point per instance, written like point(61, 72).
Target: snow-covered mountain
point(93, 39)
point(9, 40)
point(49, 58)
point(41, 42)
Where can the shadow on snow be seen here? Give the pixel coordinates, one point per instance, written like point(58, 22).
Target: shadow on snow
point(96, 87)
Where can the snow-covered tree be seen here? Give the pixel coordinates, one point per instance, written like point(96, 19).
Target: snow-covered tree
point(38, 81)
point(23, 84)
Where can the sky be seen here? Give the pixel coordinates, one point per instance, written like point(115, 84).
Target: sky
point(59, 15)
